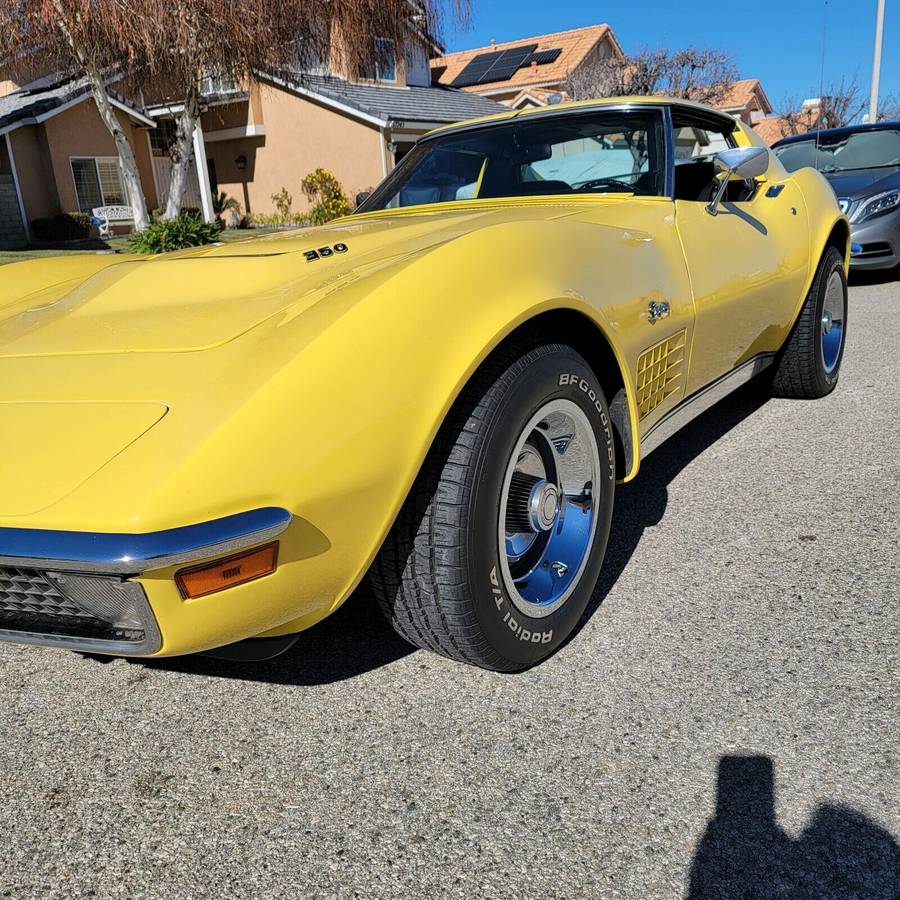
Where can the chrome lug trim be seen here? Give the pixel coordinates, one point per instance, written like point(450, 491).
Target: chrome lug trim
point(542, 567)
point(703, 400)
point(131, 554)
point(833, 311)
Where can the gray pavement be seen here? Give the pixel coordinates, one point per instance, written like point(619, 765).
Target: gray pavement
point(723, 725)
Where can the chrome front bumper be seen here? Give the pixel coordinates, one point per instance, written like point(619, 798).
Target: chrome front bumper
point(70, 589)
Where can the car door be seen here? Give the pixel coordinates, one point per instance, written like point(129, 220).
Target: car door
point(746, 263)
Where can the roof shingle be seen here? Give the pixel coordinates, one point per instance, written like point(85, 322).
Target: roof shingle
point(438, 105)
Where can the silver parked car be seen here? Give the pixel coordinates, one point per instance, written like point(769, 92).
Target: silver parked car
point(862, 162)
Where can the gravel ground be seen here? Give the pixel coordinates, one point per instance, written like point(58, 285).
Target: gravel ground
point(723, 725)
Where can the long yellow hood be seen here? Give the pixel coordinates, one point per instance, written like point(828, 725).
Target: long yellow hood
point(197, 299)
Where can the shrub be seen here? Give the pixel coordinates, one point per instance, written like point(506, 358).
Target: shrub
point(275, 220)
point(74, 226)
point(283, 201)
point(161, 236)
point(324, 191)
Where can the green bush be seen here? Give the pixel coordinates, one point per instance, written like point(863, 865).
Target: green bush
point(275, 220)
point(161, 236)
point(74, 226)
point(324, 191)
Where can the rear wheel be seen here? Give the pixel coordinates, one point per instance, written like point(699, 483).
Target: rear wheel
point(495, 554)
point(810, 361)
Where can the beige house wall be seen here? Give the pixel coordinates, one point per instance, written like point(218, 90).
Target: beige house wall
point(300, 136)
point(34, 170)
point(79, 131)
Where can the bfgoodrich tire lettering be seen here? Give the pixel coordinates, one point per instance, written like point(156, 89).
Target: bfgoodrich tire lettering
point(438, 577)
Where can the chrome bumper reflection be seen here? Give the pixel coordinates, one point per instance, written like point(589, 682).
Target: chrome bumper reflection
point(131, 554)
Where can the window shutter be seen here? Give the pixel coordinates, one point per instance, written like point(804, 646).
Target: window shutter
point(111, 182)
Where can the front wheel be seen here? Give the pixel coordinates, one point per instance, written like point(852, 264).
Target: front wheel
point(498, 547)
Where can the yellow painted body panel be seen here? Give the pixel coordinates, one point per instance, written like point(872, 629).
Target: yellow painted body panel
point(235, 377)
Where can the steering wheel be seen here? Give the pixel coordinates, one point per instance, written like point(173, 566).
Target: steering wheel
point(613, 183)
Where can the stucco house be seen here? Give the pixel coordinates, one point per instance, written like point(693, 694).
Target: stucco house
point(56, 155)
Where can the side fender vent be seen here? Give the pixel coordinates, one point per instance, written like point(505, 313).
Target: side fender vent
point(660, 372)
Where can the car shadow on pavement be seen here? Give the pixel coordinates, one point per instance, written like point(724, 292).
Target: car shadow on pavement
point(354, 640)
point(641, 504)
point(744, 852)
point(872, 276)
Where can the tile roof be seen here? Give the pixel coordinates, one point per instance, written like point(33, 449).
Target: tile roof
point(44, 95)
point(438, 104)
point(743, 93)
point(774, 128)
point(575, 44)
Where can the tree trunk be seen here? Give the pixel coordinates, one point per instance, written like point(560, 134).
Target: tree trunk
point(134, 190)
point(182, 152)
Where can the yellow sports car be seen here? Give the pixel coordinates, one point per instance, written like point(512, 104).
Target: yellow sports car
point(212, 448)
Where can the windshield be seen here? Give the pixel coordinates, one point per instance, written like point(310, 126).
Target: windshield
point(594, 153)
point(861, 150)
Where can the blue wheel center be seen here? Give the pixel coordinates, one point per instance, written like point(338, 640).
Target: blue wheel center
point(549, 511)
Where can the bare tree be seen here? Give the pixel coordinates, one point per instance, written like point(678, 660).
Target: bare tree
point(841, 104)
point(795, 117)
point(178, 42)
point(889, 108)
point(704, 75)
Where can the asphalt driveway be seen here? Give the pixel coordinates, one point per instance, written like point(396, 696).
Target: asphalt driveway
point(723, 725)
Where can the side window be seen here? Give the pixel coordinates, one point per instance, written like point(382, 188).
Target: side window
point(696, 146)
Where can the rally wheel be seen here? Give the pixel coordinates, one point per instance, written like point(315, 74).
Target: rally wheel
point(498, 547)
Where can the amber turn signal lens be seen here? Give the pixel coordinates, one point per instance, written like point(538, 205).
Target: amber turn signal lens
point(225, 573)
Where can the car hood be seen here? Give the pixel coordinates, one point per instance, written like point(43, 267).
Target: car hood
point(858, 183)
point(204, 297)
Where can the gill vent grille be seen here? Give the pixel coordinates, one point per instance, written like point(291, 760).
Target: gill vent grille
point(660, 371)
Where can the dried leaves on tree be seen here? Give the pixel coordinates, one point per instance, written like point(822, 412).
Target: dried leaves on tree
point(167, 46)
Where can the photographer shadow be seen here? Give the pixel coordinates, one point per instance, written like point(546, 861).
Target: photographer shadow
point(745, 853)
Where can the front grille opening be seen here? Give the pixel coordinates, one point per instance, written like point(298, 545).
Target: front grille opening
point(73, 609)
point(875, 248)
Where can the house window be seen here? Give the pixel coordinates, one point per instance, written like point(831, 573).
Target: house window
point(98, 182)
point(163, 137)
point(383, 65)
point(220, 83)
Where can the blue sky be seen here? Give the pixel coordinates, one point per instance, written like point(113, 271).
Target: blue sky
point(777, 41)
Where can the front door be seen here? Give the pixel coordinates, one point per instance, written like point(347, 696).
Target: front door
point(746, 263)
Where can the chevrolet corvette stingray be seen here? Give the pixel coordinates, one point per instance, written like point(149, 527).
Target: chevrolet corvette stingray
point(209, 450)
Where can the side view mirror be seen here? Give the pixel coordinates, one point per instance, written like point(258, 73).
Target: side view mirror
point(741, 162)
point(362, 197)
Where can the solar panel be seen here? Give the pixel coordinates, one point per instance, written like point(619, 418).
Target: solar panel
point(497, 66)
point(542, 57)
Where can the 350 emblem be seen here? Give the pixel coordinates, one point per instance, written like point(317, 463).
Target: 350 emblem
point(324, 252)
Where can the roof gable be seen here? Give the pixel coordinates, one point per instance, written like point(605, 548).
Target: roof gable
point(46, 97)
